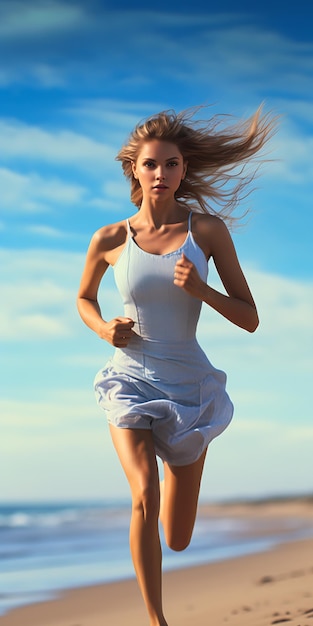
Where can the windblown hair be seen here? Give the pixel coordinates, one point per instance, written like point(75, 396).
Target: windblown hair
point(218, 157)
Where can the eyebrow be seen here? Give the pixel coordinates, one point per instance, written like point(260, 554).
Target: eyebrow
point(147, 158)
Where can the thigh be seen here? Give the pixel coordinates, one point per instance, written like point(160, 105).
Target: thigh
point(180, 500)
point(135, 449)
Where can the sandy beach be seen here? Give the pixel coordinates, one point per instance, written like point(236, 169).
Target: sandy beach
point(272, 587)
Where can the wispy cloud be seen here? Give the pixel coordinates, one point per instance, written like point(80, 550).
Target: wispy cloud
point(33, 193)
point(211, 48)
point(36, 18)
point(19, 140)
point(26, 316)
point(48, 76)
point(39, 295)
point(293, 155)
point(286, 310)
point(46, 231)
point(66, 408)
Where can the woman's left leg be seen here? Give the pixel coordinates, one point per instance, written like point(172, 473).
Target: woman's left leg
point(179, 502)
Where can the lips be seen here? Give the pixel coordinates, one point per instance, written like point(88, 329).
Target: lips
point(160, 187)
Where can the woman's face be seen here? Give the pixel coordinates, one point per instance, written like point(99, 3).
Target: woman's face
point(159, 168)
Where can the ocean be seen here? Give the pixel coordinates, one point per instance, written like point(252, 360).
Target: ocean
point(45, 548)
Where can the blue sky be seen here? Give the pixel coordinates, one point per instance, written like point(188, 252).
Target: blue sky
point(74, 79)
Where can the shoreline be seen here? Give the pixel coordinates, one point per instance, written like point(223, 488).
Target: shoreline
point(269, 587)
point(256, 590)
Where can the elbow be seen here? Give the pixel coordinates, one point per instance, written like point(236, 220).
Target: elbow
point(80, 301)
point(253, 323)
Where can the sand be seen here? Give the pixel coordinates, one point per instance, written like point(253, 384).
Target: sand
point(272, 587)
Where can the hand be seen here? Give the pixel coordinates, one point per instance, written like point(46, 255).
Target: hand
point(186, 277)
point(118, 331)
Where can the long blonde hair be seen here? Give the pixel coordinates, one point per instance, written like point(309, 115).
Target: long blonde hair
point(217, 156)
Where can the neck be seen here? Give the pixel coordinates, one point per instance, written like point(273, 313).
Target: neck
point(158, 213)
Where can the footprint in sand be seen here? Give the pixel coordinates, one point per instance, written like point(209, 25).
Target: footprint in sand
point(288, 618)
point(297, 618)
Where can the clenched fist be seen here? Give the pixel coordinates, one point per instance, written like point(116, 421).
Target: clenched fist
point(187, 277)
point(118, 331)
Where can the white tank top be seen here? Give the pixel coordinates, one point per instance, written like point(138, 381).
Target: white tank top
point(161, 310)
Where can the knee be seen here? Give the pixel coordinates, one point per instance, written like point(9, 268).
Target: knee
point(146, 500)
point(178, 543)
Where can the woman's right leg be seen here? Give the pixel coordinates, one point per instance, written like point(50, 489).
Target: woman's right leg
point(136, 452)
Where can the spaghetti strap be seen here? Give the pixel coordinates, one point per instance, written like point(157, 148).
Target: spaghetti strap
point(129, 232)
point(189, 221)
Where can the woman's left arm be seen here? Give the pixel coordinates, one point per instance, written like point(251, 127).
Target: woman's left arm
point(238, 305)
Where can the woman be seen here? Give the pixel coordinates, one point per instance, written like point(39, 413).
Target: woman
point(161, 394)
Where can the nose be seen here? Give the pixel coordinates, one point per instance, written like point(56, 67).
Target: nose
point(160, 174)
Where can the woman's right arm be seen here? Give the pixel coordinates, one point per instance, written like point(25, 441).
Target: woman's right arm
point(118, 330)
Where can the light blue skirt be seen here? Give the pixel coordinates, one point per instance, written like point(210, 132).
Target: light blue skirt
point(180, 397)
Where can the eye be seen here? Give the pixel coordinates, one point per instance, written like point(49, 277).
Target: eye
point(148, 163)
point(172, 163)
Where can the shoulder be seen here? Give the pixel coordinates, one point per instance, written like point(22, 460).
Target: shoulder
point(109, 237)
point(209, 231)
point(206, 223)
